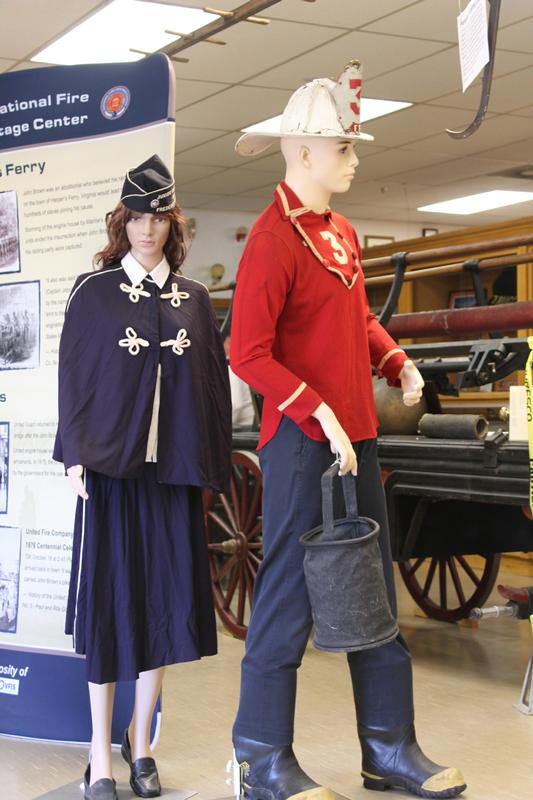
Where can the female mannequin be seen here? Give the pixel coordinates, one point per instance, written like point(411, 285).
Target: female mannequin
point(144, 423)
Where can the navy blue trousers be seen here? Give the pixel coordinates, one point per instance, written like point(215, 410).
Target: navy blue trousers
point(281, 622)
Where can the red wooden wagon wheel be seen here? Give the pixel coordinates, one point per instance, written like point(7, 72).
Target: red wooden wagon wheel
point(234, 528)
point(447, 587)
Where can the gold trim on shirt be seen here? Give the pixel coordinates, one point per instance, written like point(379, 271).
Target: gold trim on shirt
point(292, 214)
point(293, 397)
point(387, 356)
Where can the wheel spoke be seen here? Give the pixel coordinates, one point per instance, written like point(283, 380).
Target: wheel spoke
point(255, 545)
point(229, 511)
point(255, 530)
point(221, 523)
point(429, 577)
point(231, 588)
point(456, 581)
point(242, 595)
point(254, 558)
point(249, 576)
point(235, 503)
point(226, 568)
point(243, 503)
point(468, 569)
point(254, 506)
point(416, 565)
point(442, 583)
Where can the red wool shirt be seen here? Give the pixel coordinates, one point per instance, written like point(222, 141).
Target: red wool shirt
point(302, 332)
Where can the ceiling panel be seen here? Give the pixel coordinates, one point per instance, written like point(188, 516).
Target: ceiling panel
point(391, 195)
point(415, 123)
point(217, 153)
point(273, 163)
point(515, 11)
point(428, 19)
point(524, 112)
point(27, 25)
point(188, 92)
point(5, 64)
point(493, 132)
point(455, 169)
point(395, 160)
point(251, 49)
point(184, 173)
point(508, 93)
point(520, 151)
point(236, 203)
point(518, 36)
point(234, 108)
point(229, 181)
point(439, 75)
point(191, 137)
point(334, 12)
point(408, 49)
point(191, 200)
point(376, 56)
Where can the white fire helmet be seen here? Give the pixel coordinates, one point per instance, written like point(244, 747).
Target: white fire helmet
point(320, 108)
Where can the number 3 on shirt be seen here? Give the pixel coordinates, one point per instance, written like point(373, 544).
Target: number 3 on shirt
point(339, 253)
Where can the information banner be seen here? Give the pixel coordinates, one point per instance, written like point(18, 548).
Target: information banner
point(67, 137)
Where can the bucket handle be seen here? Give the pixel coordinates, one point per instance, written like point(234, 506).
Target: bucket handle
point(350, 499)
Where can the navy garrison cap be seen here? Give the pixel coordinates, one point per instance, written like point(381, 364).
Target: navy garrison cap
point(149, 188)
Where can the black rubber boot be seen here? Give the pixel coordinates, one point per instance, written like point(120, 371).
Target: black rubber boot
point(383, 691)
point(392, 759)
point(268, 772)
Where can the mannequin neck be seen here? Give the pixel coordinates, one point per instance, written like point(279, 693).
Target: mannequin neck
point(312, 194)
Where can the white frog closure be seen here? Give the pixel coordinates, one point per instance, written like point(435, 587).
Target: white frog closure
point(175, 296)
point(179, 343)
point(134, 292)
point(133, 342)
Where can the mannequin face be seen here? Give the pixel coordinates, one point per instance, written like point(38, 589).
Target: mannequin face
point(330, 163)
point(147, 235)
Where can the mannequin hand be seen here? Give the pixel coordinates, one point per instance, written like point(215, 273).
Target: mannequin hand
point(75, 474)
point(412, 383)
point(338, 440)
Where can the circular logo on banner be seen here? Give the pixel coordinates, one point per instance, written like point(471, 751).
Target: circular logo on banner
point(115, 102)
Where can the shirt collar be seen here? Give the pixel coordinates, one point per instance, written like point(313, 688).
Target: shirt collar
point(136, 272)
point(290, 205)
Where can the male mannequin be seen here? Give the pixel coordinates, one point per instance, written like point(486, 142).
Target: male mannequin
point(304, 338)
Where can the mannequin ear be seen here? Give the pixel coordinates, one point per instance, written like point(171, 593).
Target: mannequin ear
point(304, 156)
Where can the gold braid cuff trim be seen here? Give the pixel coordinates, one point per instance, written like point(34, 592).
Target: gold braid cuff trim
point(293, 397)
point(387, 356)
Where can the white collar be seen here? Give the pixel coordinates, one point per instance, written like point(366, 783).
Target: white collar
point(137, 273)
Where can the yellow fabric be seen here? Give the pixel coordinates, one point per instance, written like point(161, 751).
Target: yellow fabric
point(528, 381)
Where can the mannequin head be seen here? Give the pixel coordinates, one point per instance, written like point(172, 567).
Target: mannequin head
point(318, 166)
point(128, 230)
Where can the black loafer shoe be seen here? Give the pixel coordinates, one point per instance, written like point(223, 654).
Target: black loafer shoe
point(273, 773)
point(104, 789)
point(144, 779)
point(392, 759)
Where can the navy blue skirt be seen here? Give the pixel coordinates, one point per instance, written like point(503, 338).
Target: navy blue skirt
point(141, 597)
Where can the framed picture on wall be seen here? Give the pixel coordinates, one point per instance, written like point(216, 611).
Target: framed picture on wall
point(10, 548)
point(462, 299)
point(376, 241)
point(20, 325)
point(9, 233)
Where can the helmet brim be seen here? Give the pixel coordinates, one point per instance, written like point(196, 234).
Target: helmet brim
point(252, 144)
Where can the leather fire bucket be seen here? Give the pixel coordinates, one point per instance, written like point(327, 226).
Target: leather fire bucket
point(344, 576)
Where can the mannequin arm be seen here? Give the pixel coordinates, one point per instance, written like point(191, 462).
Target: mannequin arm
point(75, 474)
point(338, 440)
point(263, 283)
